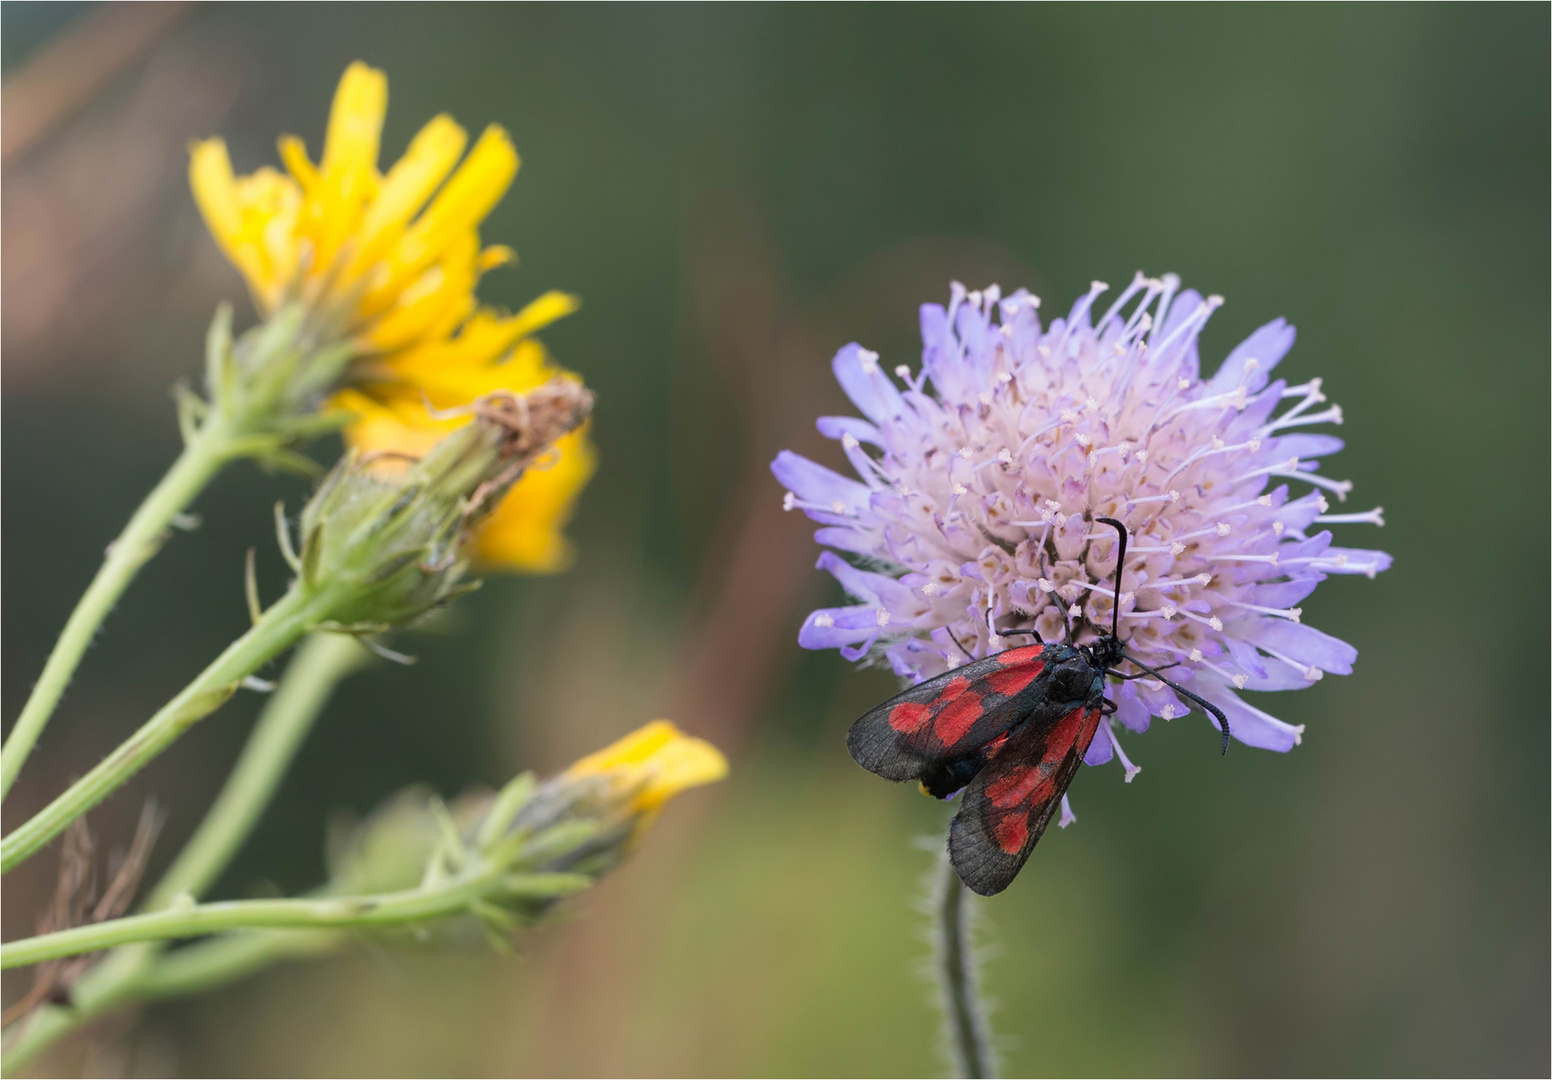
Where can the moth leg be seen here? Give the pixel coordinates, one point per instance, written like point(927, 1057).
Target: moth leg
point(1107, 707)
point(1010, 633)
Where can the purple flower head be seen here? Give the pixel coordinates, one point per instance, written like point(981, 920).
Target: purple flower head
point(979, 477)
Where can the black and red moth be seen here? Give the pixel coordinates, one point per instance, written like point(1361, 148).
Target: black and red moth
point(1009, 730)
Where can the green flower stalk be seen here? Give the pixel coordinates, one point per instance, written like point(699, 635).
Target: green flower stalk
point(379, 549)
point(966, 1031)
point(489, 862)
point(364, 278)
point(265, 393)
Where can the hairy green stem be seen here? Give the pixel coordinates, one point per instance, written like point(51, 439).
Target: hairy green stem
point(383, 909)
point(958, 982)
point(202, 457)
point(277, 630)
point(222, 959)
point(310, 678)
point(136, 972)
point(188, 970)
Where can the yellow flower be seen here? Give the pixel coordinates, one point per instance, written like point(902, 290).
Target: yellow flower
point(651, 765)
point(376, 254)
point(390, 262)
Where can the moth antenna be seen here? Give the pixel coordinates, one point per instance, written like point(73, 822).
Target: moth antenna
point(1217, 713)
point(1115, 608)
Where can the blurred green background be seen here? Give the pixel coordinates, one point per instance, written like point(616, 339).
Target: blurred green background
point(736, 192)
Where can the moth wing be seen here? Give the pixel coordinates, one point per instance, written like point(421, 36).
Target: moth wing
point(948, 717)
point(1008, 805)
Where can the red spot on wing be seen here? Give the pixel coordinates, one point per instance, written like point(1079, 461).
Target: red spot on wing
point(1011, 680)
point(1011, 832)
point(1021, 656)
point(908, 717)
point(1063, 735)
point(957, 717)
point(951, 689)
point(1016, 785)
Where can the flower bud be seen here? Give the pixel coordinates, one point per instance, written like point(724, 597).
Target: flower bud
point(533, 842)
point(384, 536)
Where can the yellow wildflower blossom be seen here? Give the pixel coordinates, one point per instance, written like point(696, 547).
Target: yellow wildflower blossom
point(360, 248)
point(651, 765)
point(390, 263)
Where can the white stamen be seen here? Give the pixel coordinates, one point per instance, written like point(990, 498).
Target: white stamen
point(788, 501)
point(1372, 517)
point(1291, 418)
point(1285, 468)
point(849, 441)
point(1286, 613)
point(868, 359)
point(1309, 389)
point(882, 617)
point(903, 371)
point(1131, 770)
point(823, 619)
point(1170, 583)
point(1212, 621)
point(1311, 672)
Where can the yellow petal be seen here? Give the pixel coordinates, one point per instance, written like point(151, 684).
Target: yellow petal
point(406, 429)
point(538, 314)
point(496, 255)
point(447, 286)
point(236, 212)
point(524, 534)
point(355, 120)
point(269, 204)
point(215, 190)
point(469, 196)
point(293, 153)
point(430, 157)
point(348, 173)
point(660, 759)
